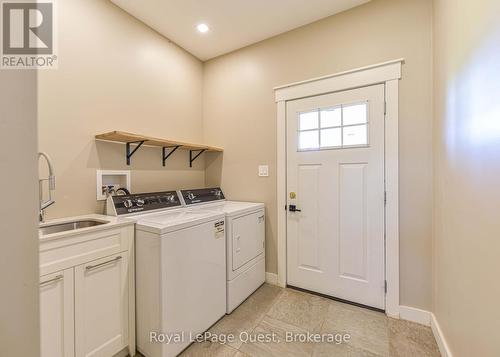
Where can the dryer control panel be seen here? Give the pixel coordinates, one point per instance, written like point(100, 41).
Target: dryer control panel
point(142, 202)
point(202, 195)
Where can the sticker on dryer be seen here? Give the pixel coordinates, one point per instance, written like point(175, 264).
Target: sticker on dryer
point(219, 230)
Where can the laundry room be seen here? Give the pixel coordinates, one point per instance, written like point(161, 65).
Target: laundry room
point(249, 178)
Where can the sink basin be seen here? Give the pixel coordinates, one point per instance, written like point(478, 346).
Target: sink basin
point(69, 226)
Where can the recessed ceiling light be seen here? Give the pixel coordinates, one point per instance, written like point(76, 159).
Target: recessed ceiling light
point(202, 28)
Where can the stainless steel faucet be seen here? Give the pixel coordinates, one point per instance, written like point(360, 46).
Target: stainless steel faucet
point(52, 186)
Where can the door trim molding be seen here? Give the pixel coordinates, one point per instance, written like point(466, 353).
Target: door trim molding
point(389, 74)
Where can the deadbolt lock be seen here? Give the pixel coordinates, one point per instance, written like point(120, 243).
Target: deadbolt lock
point(293, 195)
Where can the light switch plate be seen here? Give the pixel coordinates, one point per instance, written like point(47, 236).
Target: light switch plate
point(263, 170)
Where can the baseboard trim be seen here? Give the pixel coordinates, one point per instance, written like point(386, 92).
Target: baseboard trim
point(440, 340)
point(123, 353)
point(272, 278)
point(413, 314)
point(426, 318)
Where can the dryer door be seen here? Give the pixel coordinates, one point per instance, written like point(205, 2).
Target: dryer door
point(248, 234)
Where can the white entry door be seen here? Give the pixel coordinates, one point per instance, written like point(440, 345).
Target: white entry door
point(335, 182)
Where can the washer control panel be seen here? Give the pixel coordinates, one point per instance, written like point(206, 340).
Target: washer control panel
point(143, 202)
point(202, 195)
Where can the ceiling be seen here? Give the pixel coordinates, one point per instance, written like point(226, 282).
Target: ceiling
point(233, 23)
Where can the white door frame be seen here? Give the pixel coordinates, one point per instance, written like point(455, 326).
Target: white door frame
point(389, 74)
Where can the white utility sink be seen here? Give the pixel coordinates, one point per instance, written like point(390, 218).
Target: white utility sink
point(69, 226)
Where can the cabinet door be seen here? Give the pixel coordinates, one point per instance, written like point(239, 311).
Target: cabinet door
point(101, 306)
point(56, 314)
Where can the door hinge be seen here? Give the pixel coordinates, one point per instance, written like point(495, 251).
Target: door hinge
point(385, 198)
point(385, 108)
point(385, 286)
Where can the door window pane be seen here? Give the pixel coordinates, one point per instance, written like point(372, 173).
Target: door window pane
point(308, 120)
point(331, 137)
point(309, 140)
point(354, 114)
point(355, 135)
point(334, 127)
point(331, 117)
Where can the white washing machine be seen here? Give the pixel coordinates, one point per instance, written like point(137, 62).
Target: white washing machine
point(180, 270)
point(245, 241)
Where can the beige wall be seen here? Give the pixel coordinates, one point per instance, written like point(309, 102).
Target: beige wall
point(467, 171)
point(115, 74)
point(240, 114)
point(19, 312)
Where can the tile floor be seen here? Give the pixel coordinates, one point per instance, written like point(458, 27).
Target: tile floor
point(273, 311)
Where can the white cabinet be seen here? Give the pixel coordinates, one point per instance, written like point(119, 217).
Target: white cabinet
point(56, 314)
point(101, 306)
point(87, 299)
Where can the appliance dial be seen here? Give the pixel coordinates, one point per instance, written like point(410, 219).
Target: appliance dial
point(139, 202)
point(128, 203)
point(218, 193)
point(191, 196)
point(170, 198)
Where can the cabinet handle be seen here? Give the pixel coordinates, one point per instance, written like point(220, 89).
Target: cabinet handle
point(90, 267)
point(53, 280)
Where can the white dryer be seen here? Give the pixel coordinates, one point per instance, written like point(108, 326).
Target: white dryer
point(245, 241)
point(180, 270)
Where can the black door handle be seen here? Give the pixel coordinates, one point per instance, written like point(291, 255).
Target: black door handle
point(293, 208)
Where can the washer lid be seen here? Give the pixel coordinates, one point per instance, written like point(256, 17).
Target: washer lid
point(232, 208)
point(175, 220)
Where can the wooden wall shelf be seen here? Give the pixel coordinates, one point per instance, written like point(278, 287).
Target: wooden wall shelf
point(168, 146)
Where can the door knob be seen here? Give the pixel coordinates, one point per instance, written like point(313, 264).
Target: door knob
point(293, 208)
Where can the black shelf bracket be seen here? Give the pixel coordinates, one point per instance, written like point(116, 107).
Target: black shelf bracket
point(191, 158)
point(164, 155)
point(130, 153)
